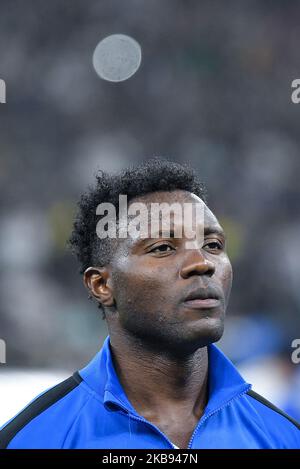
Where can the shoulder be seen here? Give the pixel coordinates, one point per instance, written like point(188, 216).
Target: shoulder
point(57, 407)
point(282, 429)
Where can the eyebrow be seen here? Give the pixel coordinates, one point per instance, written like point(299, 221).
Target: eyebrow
point(162, 233)
point(214, 230)
point(210, 229)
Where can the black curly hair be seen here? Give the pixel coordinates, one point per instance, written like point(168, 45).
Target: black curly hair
point(157, 174)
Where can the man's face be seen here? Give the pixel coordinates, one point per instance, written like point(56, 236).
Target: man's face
point(152, 279)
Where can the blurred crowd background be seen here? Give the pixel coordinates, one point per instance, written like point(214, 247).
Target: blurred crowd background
point(213, 90)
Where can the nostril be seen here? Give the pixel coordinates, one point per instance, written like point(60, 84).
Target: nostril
point(198, 268)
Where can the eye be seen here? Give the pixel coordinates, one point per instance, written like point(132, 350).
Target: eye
point(214, 246)
point(162, 248)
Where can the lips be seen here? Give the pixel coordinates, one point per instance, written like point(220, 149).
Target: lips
point(202, 299)
point(203, 304)
point(202, 294)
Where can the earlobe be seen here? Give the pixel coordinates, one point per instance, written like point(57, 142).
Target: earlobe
point(97, 281)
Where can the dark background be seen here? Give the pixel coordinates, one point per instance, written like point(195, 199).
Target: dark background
point(214, 90)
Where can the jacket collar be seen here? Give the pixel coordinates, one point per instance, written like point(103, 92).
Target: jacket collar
point(225, 382)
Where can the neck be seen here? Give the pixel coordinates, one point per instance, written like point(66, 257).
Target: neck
point(157, 382)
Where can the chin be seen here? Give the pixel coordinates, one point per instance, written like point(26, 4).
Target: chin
point(210, 330)
point(189, 341)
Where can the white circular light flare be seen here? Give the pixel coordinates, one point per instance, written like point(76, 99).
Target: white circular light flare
point(117, 57)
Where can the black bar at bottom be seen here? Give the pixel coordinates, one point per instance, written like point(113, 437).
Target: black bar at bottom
point(136, 458)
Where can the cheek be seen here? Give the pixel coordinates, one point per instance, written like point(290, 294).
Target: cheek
point(226, 277)
point(137, 287)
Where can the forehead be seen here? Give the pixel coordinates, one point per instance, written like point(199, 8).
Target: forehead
point(181, 197)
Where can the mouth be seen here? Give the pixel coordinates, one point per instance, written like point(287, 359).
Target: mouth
point(206, 303)
point(202, 299)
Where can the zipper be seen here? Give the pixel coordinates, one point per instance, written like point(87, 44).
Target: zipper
point(139, 419)
point(153, 426)
point(212, 413)
point(200, 423)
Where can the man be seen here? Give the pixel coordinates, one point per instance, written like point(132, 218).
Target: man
point(158, 381)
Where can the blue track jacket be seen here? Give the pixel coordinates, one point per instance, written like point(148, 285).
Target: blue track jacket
point(91, 410)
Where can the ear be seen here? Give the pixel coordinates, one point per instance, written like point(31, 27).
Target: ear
point(98, 281)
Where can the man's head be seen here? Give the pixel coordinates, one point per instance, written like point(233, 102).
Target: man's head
point(156, 289)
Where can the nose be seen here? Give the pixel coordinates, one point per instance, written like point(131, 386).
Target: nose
point(196, 264)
